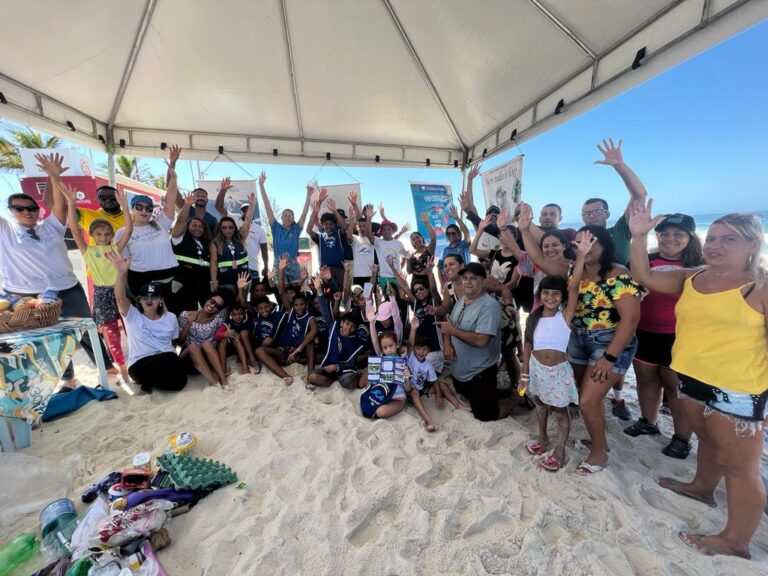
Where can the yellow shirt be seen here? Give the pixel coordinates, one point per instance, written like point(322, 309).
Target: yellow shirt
point(721, 340)
point(98, 267)
point(87, 216)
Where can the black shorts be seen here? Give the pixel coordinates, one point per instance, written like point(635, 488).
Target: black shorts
point(740, 405)
point(654, 348)
point(482, 393)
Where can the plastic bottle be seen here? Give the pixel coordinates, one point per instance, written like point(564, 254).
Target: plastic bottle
point(17, 551)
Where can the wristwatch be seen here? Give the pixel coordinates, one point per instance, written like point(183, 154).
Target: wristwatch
point(610, 357)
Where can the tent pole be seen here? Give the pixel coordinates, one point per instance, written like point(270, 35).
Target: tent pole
point(111, 155)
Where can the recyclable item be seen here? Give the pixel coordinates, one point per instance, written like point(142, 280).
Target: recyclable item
point(182, 443)
point(142, 460)
point(117, 491)
point(102, 486)
point(49, 296)
point(178, 497)
point(56, 514)
point(122, 527)
point(18, 550)
point(135, 479)
point(151, 565)
point(56, 544)
point(195, 473)
point(88, 526)
point(80, 568)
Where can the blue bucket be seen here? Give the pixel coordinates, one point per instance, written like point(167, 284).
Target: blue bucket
point(56, 514)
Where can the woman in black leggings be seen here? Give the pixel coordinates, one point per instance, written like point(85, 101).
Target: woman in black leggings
point(152, 359)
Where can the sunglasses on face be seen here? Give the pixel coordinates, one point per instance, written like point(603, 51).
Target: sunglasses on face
point(151, 298)
point(144, 208)
point(31, 209)
point(451, 233)
point(419, 289)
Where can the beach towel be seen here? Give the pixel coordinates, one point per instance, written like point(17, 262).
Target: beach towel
point(64, 403)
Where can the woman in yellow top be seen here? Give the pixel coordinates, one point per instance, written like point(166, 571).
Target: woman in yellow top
point(720, 355)
point(100, 270)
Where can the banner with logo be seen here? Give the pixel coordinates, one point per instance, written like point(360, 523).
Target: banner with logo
point(435, 200)
point(503, 185)
point(235, 197)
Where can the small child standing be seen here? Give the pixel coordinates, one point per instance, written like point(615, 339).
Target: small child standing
point(235, 333)
point(547, 374)
point(101, 271)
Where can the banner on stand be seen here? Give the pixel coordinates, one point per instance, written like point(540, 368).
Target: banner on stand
point(339, 194)
point(503, 185)
point(235, 197)
point(435, 200)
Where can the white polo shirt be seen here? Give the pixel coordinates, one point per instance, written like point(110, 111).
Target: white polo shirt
point(30, 265)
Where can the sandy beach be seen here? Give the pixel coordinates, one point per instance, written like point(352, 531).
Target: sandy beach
point(329, 492)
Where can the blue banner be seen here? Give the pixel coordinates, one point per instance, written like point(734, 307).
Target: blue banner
point(435, 200)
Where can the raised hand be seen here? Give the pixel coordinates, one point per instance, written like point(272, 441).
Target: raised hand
point(525, 217)
point(405, 228)
point(69, 193)
point(415, 323)
point(226, 184)
point(173, 155)
point(485, 222)
point(611, 153)
point(283, 263)
point(424, 217)
point(331, 204)
point(641, 222)
point(189, 200)
point(242, 280)
point(501, 219)
point(453, 212)
point(352, 197)
point(303, 274)
point(381, 211)
point(252, 198)
point(430, 263)
point(121, 264)
point(348, 264)
point(262, 178)
point(369, 212)
point(317, 282)
point(51, 164)
point(337, 296)
point(474, 171)
point(583, 243)
point(322, 196)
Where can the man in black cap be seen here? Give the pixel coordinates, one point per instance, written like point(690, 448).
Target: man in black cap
point(472, 341)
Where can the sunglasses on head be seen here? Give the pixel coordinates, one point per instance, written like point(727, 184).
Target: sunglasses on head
point(17, 208)
point(143, 208)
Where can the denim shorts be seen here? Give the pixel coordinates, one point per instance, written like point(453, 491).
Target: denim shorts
point(753, 407)
point(586, 346)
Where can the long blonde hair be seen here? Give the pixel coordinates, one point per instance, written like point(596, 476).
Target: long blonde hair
point(750, 228)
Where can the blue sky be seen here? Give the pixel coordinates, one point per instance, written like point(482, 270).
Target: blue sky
point(695, 135)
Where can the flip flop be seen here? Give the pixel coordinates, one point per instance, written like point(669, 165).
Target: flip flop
point(535, 448)
point(551, 464)
point(697, 542)
point(676, 487)
point(587, 469)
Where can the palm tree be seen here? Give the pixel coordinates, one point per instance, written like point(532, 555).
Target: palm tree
point(10, 155)
point(130, 167)
point(159, 181)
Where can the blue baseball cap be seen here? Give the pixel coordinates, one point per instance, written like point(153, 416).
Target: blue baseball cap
point(139, 198)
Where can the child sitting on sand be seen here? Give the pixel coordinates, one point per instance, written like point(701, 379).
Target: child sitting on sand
point(546, 371)
point(234, 337)
point(386, 346)
point(295, 343)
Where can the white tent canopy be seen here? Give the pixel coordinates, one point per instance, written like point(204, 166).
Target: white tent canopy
point(401, 80)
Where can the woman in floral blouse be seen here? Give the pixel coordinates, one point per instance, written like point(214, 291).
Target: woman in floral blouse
point(603, 341)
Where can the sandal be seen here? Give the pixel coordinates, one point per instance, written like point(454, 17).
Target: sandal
point(697, 542)
point(677, 448)
point(535, 448)
point(587, 469)
point(551, 464)
point(642, 426)
point(676, 486)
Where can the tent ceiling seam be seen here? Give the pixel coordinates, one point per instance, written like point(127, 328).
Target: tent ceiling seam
point(291, 67)
point(547, 12)
point(422, 70)
point(141, 33)
point(532, 104)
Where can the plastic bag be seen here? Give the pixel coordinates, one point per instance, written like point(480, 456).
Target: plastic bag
point(123, 527)
point(29, 484)
point(151, 566)
point(97, 514)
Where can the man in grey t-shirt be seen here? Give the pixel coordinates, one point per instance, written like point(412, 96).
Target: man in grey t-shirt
point(472, 340)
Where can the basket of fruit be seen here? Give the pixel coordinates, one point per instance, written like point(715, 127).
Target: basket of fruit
point(27, 313)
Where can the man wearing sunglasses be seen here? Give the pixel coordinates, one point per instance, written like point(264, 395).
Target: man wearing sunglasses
point(109, 210)
point(33, 254)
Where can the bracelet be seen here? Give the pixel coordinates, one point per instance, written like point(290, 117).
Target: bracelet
point(610, 357)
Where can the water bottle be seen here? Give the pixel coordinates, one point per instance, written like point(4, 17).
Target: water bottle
point(19, 550)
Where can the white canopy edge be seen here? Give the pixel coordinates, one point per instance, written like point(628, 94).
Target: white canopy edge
point(683, 30)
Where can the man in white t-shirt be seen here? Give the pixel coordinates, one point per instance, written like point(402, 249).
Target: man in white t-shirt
point(257, 237)
point(388, 250)
point(33, 254)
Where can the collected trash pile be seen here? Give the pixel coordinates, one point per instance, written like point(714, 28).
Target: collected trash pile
point(124, 524)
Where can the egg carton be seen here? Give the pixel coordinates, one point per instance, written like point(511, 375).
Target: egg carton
point(195, 473)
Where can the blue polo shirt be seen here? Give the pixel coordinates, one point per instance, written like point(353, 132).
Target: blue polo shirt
point(285, 240)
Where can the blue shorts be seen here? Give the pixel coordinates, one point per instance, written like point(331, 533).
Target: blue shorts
point(586, 346)
point(753, 407)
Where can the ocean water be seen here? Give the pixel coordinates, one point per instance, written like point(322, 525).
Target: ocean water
point(703, 221)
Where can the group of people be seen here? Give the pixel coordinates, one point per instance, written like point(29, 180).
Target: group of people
point(690, 318)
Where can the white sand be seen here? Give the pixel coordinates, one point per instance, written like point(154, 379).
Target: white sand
point(330, 492)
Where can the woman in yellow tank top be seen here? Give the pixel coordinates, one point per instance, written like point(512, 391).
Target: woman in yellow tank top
point(720, 354)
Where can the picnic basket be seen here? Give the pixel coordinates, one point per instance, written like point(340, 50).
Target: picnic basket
point(29, 318)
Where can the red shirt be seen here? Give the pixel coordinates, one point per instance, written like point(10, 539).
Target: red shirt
point(657, 311)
